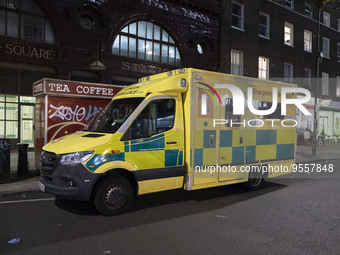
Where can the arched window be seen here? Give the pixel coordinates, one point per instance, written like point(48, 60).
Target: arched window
point(25, 19)
point(147, 41)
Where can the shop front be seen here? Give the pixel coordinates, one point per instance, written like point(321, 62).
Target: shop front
point(17, 105)
point(64, 107)
point(329, 119)
point(328, 116)
point(337, 124)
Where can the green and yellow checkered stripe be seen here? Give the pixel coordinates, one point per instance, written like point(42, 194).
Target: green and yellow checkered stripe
point(258, 146)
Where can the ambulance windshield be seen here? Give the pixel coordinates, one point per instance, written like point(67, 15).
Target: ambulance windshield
point(113, 115)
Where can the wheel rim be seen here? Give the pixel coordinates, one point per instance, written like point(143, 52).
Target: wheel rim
point(115, 197)
point(256, 180)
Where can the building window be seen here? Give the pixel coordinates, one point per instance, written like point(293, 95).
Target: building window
point(308, 10)
point(263, 68)
point(290, 4)
point(237, 16)
point(201, 48)
point(338, 86)
point(338, 51)
point(325, 47)
point(147, 41)
point(289, 34)
point(308, 40)
point(326, 19)
point(9, 116)
point(236, 66)
point(264, 25)
point(25, 19)
point(86, 22)
point(307, 79)
point(288, 73)
point(325, 84)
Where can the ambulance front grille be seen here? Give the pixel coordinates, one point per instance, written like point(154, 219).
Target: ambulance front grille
point(48, 162)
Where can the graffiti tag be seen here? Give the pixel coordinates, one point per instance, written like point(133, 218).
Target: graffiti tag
point(73, 114)
point(4, 144)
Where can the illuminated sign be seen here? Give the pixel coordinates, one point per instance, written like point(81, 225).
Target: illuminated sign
point(74, 88)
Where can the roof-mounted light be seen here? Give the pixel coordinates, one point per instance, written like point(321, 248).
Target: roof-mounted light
point(183, 82)
point(144, 79)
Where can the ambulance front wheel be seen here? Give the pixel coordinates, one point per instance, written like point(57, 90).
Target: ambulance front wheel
point(113, 195)
point(255, 181)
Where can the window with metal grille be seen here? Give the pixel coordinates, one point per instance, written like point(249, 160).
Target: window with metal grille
point(147, 41)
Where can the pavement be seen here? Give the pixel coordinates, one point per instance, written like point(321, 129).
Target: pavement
point(23, 184)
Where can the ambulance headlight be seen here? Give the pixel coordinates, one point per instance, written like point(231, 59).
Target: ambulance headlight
point(75, 158)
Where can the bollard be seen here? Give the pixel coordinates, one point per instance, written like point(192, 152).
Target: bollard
point(5, 161)
point(22, 159)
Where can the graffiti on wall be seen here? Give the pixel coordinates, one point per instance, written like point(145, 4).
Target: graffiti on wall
point(68, 115)
point(76, 113)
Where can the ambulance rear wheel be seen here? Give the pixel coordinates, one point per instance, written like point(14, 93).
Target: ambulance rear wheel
point(255, 181)
point(113, 196)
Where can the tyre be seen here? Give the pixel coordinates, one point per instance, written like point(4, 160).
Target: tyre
point(255, 181)
point(113, 195)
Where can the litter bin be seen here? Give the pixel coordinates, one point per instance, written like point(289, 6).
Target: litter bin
point(5, 159)
point(22, 159)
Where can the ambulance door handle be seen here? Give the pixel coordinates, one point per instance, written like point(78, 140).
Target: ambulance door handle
point(171, 142)
point(212, 140)
point(241, 139)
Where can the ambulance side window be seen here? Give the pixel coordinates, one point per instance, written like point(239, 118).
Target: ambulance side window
point(263, 105)
point(229, 116)
point(157, 117)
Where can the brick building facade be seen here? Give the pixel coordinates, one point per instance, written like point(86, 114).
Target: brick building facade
point(278, 40)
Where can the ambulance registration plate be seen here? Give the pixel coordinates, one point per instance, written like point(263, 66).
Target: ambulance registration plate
point(41, 186)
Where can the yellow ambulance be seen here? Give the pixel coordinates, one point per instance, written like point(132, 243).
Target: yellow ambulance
point(187, 128)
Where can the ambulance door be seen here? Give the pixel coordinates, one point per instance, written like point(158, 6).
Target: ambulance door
point(231, 142)
point(205, 136)
point(156, 144)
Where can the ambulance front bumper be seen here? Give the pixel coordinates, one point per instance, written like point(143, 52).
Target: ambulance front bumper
point(72, 182)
